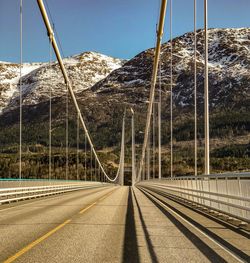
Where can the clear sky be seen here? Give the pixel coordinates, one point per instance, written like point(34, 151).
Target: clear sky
point(119, 28)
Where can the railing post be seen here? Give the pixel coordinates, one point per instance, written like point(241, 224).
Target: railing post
point(228, 207)
point(217, 191)
point(240, 192)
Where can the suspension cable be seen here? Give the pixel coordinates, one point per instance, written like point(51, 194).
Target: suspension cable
point(159, 125)
point(85, 156)
point(99, 174)
point(195, 92)
point(133, 161)
point(91, 151)
point(50, 105)
point(67, 134)
point(95, 169)
point(143, 172)
point(54, 27)
point(171, 91)
point(148, 156)
point(69, 86)
point(153, 140)
point(122, 155)
point(206, 94)
point(153, 82)
point(77, 148)
point(20, 90)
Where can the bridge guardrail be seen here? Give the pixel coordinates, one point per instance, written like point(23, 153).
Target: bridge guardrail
point(225, 193)
point(11, 194)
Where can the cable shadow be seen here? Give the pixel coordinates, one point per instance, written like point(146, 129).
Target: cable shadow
point(149, 243)
point(210, 233)
point(208, 252)
point(130, 249)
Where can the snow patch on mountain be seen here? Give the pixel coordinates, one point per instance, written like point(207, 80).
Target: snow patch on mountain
point(228, 63)
point(9, 79)
point(38, 79)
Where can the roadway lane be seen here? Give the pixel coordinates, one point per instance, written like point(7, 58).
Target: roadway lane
point(95, 235)
point(115, 225)
point(22, 223)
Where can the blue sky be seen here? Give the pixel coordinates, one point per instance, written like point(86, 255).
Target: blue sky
point(119, 28)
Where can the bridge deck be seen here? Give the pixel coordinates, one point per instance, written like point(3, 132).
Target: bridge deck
point(115, 224)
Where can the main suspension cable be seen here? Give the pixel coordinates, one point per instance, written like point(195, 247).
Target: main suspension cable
point(69, 86)
point(153, 83)
point(54, 28)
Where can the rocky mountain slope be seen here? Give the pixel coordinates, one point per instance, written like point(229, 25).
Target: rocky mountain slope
point(37, 78)
point(9, 78)
point(128, 85)
point(105, 87)
point(229, 65)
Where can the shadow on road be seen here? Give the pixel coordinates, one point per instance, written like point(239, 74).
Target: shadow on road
point(130, 250)
point(208, 252)
point(148, 240)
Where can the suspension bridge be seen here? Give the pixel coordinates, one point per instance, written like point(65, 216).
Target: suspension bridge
point(96, 218)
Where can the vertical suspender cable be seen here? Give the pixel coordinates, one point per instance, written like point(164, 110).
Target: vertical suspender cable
point(67, 133)
point(77, 148)
point(148, 156)
point(95, 169)
point(133, 146)
point(153, 138)
point(85, 156)
point(159, 125)
point(171, 91)
point(195, 93)
point(143, 172)
point(122, 155)
point(20, 90)
point(206, 95)
point(149, 153)
point(99, 173)
point(50, 112)
point(91, 179)
point(101, 176)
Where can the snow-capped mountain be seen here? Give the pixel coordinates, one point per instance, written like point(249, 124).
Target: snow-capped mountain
point(9, 78)
point(105, 86)
point(229, 70)
point(84, 70)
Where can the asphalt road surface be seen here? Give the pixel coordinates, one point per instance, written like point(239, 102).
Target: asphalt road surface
point(111, 224)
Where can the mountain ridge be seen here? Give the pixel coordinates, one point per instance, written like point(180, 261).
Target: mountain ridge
point(128, 85)
point(86, 68)
point(103, 104)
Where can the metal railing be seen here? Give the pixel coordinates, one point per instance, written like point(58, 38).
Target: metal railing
point(225, 193)
point(17, 190)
